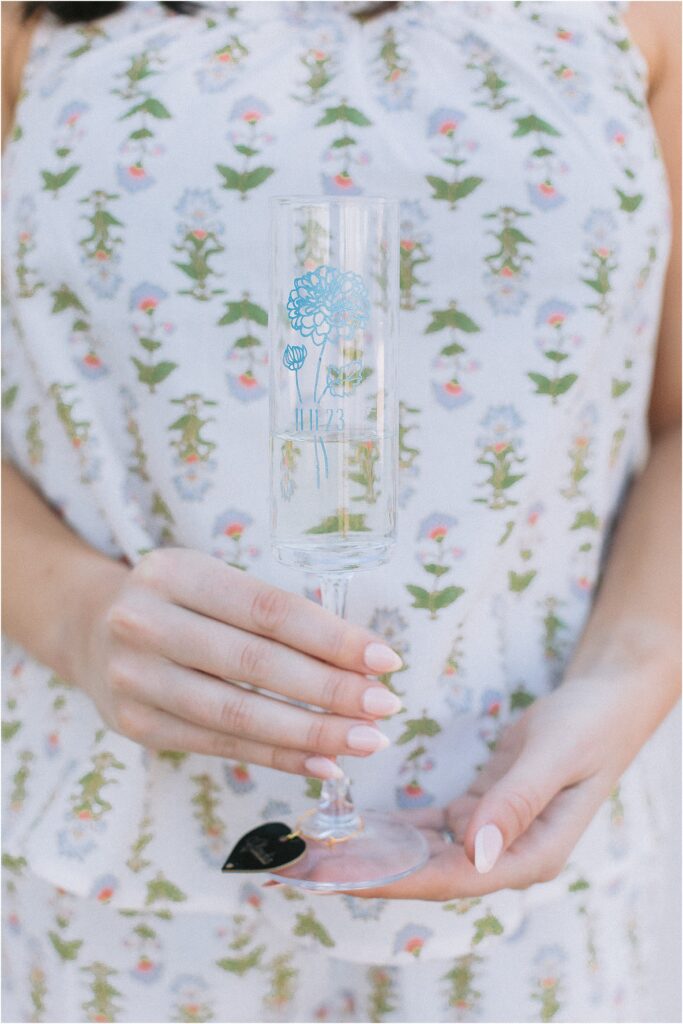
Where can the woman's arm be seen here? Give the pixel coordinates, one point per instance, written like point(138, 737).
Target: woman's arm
point(157, 646)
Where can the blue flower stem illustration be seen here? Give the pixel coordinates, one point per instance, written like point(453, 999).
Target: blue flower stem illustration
point(317, 373)
point(326, 305)
point(298, 388)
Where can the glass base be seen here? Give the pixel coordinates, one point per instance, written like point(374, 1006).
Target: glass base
point(385, 850)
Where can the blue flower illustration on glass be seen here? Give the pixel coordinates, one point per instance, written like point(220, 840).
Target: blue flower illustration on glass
point(342, 380)
point(294, 356)
point(327, 305)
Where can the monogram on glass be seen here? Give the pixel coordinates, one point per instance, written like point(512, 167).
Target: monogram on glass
point(334, 464)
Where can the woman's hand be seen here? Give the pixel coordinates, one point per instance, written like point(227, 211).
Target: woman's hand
point(530, 803)
point(163, 643)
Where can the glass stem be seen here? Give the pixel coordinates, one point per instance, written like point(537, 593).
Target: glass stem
point(336, 816)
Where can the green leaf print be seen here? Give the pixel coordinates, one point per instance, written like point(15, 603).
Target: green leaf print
point(239, 965)
point(579, 885)
point(9, 730)
point(629, 203)
point(64, 298)
point(343, 113)
point(552, 386)
point(149, 106)
point(435, 569)
point(586, 519)
point(53, 182)
point(245, 180)
point(619, 387)
point(159, 888)
point(443, 598)
point(443, 318)
point(452, 191)
point(308, 924)
point(525, 125)
point(343, 522)
point(343, 141)
point(520, 699)
point(14, 864)
point(244, 310)
point(141, 133)
point(9, 395)
point(154, 374)
point(415, 727)
point(519, 581)
point(67, 950)
point(484, 926)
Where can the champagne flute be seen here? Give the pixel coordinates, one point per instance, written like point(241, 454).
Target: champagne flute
point(334, 464)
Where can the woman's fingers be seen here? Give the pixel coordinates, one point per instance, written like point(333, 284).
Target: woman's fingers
point(514, 799)
point(229, 653)
point(537, 856)
point(207, 585)
point(160, 730)
point(236, 711)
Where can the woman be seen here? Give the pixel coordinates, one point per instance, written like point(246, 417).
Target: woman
point(539, 428)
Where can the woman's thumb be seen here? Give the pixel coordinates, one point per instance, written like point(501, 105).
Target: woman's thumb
point(509, 807)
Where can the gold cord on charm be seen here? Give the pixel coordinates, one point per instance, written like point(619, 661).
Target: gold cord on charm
point(332, 841)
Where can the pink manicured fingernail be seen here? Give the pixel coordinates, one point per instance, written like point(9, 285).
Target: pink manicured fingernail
point(323, 768)
point(488, 845)
point(380, 658)
point(366, 738)
point(380, 701)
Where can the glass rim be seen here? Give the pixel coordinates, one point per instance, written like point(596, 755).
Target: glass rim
point(321, 200)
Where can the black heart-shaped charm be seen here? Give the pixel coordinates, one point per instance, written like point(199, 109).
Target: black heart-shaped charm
point(266, 848)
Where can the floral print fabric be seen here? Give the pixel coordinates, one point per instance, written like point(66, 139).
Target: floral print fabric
point(534, 237)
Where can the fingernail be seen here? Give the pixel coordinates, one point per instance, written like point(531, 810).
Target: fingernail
point(380, 701)
point(271, 884)
point(323, 768)
point(488, 845)
point(380, 658)
point(366, 738)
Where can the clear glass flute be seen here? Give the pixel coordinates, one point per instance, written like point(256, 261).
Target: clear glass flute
point(334, 464)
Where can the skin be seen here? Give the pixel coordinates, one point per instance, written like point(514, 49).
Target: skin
point(163, 637)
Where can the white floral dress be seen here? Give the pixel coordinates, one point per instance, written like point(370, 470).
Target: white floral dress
point(534, 237)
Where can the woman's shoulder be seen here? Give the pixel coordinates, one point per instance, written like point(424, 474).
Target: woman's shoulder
point(17, 33)
point(655, 28)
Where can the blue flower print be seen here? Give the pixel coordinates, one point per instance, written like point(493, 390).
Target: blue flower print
point(436, 526)
point(245, 387)
point(103, 888)
point(364, 910)
point(146, 297)
point(544, 195)
point(133, 177)
point(411, 939)
point(499, 424)
point(444, 121)
point(326, 304)
point(72, 112)
point(78, 838)
point(554, 312)
point(451, 394)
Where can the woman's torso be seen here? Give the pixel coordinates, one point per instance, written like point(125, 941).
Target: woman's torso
point(534, 235)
